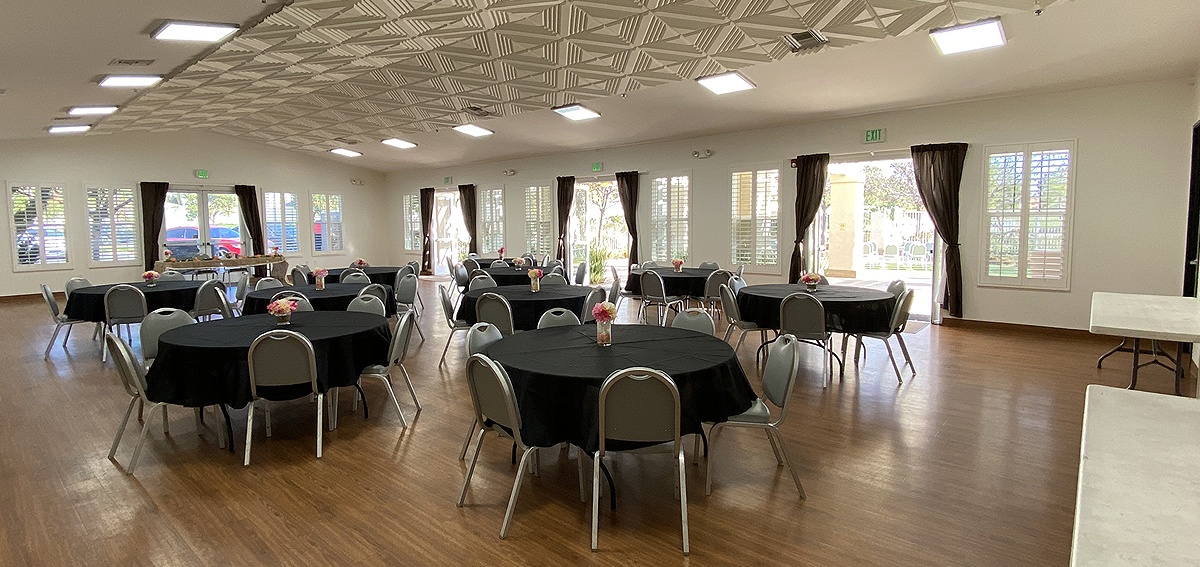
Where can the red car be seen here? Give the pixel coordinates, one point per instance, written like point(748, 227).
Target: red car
point(182, 239)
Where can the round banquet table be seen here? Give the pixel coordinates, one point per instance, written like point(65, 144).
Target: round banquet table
point(556, 375)
point(335, 297)
point(688, 283)
point(511, 275)
point(528, 306)
point(848, 309)
point(205, 364)
point(87, 303)
point(485, 262)
point(379, 274)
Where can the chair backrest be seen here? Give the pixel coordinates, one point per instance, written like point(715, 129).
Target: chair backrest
point(551, 264)
point(641, 405)
point(470, 264)
point(281, 358)
point(494, 309)
point(492, 395)
point(355, 277)
point(303, 268)
point(367, 304)
point(461, 276)
point(449, 267)
point(918, 251)
point(890, 250)
point(498, 264)
point(558, 270)
point(712, 285)
point(171, 276)
point(133, 375)
point(802, 316)
point(124, 303)
point(353, 269)
point(481, 335)
point(695, 319)
point(900, 312)
point(710, 265)
point(741, 270)
point(594, 297)
point(358, 265)
point(50, 302)
point(416, 267)
point(400, 337)
point(267, 283)
point(479, 272)
point(447, 306)
point(779, 376)
point(472, 254)
point(649, 264)
point(581, 273)
point(158, 322)
point(614, 291)
point(375, 290)
point(407, 269)
point(729, 305)
point(210, 300)
point(299, 276)
point(897, 287)
point(652, 285)
point(554, 278)
point(243, 285)
point(736, 283)
point(76, 283)
point(302, 302)
point(406, 289)
point(557, 317)
point(481, 281)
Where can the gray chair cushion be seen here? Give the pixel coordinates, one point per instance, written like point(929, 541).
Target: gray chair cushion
point(758, 413)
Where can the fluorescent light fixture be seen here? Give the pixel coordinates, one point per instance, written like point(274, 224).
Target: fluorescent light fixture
point(969, 37)
point(473, 130)
point(730, 82)
point(91, 110)
point(398, 143)
point(576, 111)
point(129, 80)
point(70, 129)
point(194, 31)
point(345, 152)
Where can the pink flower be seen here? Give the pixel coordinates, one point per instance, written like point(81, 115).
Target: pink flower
point(150, 276)
point(501, 250)
point(811, 278)
point(320, 272)
point(604, 312)
point(677, 262)
point(535, 273)
point(282, 306)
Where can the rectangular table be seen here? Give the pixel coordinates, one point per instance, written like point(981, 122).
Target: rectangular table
point(1154, 317)
point(1138, 501)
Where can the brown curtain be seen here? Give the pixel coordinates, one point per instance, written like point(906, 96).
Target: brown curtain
point(426, 227)
point(627, 190)
point(566, 196)
point(811, 171)
point(248, 202)
point(154, 199)
point(938, 169)
point(466, 200)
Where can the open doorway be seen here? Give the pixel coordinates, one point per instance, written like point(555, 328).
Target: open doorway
point(200, 221)
point(450, 237)
point(597, 232)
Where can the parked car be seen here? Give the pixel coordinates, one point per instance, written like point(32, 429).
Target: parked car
point(183, 241)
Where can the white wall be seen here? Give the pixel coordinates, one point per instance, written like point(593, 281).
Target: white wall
point(172, 157)
point(1133, 144)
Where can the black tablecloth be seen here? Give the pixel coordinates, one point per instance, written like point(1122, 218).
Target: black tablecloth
point(87, 303)
point(511, 276)
point(557, 372)
point(205, 364)
point(527, 306)
point(485, 262)
point(379, 274)
point(335, 297)
point(690, 282)
point(848, 309)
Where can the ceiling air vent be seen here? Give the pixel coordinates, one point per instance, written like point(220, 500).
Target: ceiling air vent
point(477, 111)
point(804, 41)
point(131, 62)
point(347, 141)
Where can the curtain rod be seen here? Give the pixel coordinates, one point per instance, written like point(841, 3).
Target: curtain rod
point(872, 153)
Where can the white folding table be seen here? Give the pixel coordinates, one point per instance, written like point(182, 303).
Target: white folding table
point(1153, 317)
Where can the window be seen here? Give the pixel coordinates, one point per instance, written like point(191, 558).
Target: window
point(39, 225)
point(756, 218)
point(412, 222)
point(1028, 214)
point(669, 208)
point(327, 223)
point(539, 220)
point(281, 220)
point(491, 219)
point(113, 224)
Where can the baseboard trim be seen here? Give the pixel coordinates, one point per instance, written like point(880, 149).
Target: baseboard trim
point(955, 322)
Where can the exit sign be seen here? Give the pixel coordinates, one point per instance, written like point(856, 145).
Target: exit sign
point(597, 167)
point(201, 173)
point(875, 136)
point(447, 180)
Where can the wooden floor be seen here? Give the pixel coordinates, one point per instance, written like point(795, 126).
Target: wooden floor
point(972, 462)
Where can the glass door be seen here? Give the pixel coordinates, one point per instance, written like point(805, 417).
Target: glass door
point(450, 238)
point(597, 233)
point(200, 222)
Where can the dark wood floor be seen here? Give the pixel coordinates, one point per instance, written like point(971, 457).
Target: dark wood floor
point(973, 462)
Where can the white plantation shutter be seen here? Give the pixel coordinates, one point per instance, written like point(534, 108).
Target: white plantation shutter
point(491, 219)
point(39, 225)
point(669, 217)
point(412, 222)
point(281, 220)
point(539, 220)
point(755, 218)
point(327, 223)
point(113, 224)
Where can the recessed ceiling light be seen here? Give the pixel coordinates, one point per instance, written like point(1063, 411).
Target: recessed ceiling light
point(576, 111)
point(723, 83)
point(345, 152)
point(969, 37)
point(91, 110)
point(69, 129)
point(473, 130)
point(129, 80)
point(397, 143)
point(194, 31)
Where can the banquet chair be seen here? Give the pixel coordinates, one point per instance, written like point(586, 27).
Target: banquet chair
point(239, 292)
point(741, 270)
point(891, 253)
point(551, 264)
point(357, 277)
point(462, 278)
point(353, 269)
point(557, 317)
point(281, 358)
point(896, 287)
point(639, 405)
point(479, 336)
point(581, 274)
point(620, 290)
point(495, 408)
point(407, 269)
point(554, 278)
point(299, 276)
point(302, 302)
point(648, 264)
point(709, 266)
point(377, 291)
point(529, 259)
point(498, 264)
point(210, 300)
point(367, 304)
point(60, 320)
point(594, 298)
point(303, 268)
point(712, 289)
point(406, 299)
point(480, 282)
point(123, 305)
point(74, 284)
point(898, 321)
point(267, 283)
point(133, 377)
point(733, 316)
point(803, 316)
point(494, 309)
point(170, 276)
point(397, 351)
point(470, 264)
point(416, 271)
point(779, 377)
point(695, 319)
point(736, 283)
point(155, 324)
point(654, 295)
point(478, 272)
point(359, 265)
point(472, 254)
point(455, 325)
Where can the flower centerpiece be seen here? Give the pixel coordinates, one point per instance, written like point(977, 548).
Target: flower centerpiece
point(167, 255)
point(810, 281)
point(360, 263)
point(274, 250)
point(150, 277)
point(319, 275)
point(678, 263)
point(282, 309)
point(518, 261)
point(604, 313)
point(535, 280)
point(501, 252)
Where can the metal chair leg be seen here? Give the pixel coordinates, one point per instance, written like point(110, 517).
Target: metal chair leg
point(121, 430)
point(683, 503)
point(470, 433)
point(462, 494)
point(516, 490)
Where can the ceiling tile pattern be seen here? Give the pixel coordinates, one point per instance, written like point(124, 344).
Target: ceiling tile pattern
point(323, 73)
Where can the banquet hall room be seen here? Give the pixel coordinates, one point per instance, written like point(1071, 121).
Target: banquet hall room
point(601, 282)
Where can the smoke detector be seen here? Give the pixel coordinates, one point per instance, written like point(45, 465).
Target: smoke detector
point(805, 41)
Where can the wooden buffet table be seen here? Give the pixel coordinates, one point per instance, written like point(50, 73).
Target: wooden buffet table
point(162, 266)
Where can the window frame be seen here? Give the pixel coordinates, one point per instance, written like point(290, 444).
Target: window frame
point(485, 198)
point(755, 169)
point(546, 199)
point(1022, 281)
point(283, 220)
point(668, 221)
point(41, 266)
point(137, 221)
point(412, 226)
point(316, 251)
